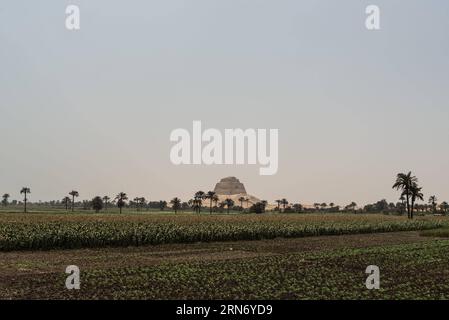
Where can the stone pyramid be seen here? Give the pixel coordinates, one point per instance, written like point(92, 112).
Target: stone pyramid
point(229, 186)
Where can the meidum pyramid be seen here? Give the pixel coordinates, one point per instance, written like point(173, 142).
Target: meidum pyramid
point(229, 186)
point(232, 188)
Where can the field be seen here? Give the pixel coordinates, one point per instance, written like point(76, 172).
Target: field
point(70, 231)
point(162, 256)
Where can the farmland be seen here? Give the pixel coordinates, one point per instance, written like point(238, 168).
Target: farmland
point(51, 231)
point(162, 256)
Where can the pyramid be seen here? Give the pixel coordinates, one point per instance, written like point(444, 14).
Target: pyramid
point(229, 186)
point(232, 188)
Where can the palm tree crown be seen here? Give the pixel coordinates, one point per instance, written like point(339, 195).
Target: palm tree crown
point(25, 191)
point(121, 200)
point(229, 203)
point(404, 182)
point(176, 204)
point(74, 194)
point(210, 195)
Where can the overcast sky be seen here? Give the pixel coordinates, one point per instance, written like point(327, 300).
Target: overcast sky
point(92, 110)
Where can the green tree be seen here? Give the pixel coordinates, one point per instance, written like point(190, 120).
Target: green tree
point(247, 202)
point(210, 195)
point(264, 204)
point(97, 204)
point(433, 201)
point(297, 207)
point(199, 197)
point(404, 182)
point(66, 201)
point(415, 194)
point(25, 191)
point(241, 199)
point(162, 205)
point(279, 204)
point(323, 206)
point(142, 202)
point(229, 203)
point(216, 199)
point(74, 194)
point(402, 199)
point(106, 201)
point(121, 200)
point(284, 203)
point(137, 202)
point(176, 204)
point(444, 206)
point(5, 198)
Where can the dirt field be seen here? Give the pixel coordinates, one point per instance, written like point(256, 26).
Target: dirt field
point(278, 268)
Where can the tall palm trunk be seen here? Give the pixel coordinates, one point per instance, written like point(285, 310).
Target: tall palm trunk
point(210, 206)
point(25, 200)
point(73, 203)
point(408, 205)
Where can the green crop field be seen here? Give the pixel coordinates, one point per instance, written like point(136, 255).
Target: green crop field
point(188, 256)
point(51, 231)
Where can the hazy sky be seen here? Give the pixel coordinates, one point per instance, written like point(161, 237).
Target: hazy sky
point(92, 110)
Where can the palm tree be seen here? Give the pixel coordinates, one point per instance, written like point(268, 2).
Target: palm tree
point(66, 201)
point(229, 203)
point(215, 200)
point(247, 202)
point(297, 207)
point(142, 202)
point(192, 204)
point(121, 200)
point(279, 204)
point(5, 199)
point(323, 205)
point(97, 204)
point(415, 193)
point(402, 199)
point(176, 204)
point(444, 206)
point(137, 202)
point(433, 201)
point(404, 182)
point(210, 195)
point(106, 200)
point(25, 191)
point(264, 204)
point(284, 202)
point(351, 206)
point(74, 194)
point(199, 196)
point(241, 199)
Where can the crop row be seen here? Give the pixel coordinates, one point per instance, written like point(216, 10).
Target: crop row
point(77, 234)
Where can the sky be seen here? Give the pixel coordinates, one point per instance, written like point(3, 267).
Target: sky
point(92, 110)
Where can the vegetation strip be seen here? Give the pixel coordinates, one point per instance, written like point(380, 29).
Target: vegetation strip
point(82, 232)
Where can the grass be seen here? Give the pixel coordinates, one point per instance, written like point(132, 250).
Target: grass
point(41, 231)
point(443, 233)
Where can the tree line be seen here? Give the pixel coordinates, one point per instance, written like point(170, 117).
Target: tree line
point(406, 183)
